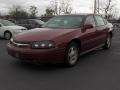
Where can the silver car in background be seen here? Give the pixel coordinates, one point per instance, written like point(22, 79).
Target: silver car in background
point(8, 29)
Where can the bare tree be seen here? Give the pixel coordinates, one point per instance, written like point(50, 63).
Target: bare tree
point(66, 6)
point(61, 6)
point(54, 6)
point(33, 11)
point(107, 7)
point(18, 12)
point(48, 12)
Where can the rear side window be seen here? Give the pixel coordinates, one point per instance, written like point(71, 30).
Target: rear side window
point(90, 20)
point(99, 21)
point(105, 21)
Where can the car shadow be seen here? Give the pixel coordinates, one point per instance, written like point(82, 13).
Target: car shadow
point(36, 67)
point(53, 67)
point(3, 39)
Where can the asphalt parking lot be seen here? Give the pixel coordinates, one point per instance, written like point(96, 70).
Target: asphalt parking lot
point(98, 70)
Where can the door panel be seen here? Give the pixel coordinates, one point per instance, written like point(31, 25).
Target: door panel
point(102, 30)
point(89, 39)
point(89, 35)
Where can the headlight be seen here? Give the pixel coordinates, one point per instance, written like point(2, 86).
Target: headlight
point(11, 40)
point(43, 45)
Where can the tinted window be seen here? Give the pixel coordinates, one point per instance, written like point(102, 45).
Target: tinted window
point(99, 20)
point(90, 20)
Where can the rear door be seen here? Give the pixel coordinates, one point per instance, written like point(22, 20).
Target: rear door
point(101, 29)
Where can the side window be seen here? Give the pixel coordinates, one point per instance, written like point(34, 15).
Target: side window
point(99, 21)
point(32, 22)
point(23, 22)
point(90, 20)
point(105, 21)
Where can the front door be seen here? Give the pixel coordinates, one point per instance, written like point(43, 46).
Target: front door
point(89, 35)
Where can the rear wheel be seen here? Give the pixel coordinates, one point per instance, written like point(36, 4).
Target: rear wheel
point(7, 35)
point(107, 44)
point(72, 54)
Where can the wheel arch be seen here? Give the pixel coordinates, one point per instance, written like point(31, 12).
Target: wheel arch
point(7, 31)
point(77, 41)
point(111, 34)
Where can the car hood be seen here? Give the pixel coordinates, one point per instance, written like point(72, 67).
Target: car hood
point(41, 34)
point(14, 27)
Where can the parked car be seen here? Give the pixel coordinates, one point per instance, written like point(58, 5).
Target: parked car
point(63, 39)
point(8, 29)
point(30, 23)
point(45, 18)
point(12, 20)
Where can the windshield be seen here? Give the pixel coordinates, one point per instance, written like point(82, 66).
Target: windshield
point(6, 23)
point(64, 22)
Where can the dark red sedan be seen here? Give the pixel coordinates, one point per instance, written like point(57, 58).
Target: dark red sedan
point(62, 39)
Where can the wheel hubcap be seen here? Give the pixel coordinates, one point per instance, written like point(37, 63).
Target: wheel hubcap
point(73, 55)
point(109, 42)
point(7, 36)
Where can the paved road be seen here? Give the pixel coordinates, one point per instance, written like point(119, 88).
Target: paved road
point(98, 70)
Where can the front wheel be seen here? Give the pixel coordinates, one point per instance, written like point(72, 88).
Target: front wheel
point(107, 44)
point(72, 54)
point(7, 35)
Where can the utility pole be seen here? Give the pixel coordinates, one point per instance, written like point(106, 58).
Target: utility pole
point(98, 7)
point(95, 6)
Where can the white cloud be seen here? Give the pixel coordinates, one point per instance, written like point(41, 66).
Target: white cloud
point(79, 6)
point(5, 5)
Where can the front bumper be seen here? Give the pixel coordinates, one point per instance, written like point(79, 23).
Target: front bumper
point(55, 55)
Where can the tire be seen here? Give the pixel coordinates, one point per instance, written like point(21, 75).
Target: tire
point(107, 44)
point(72, 54)
point(7, 35)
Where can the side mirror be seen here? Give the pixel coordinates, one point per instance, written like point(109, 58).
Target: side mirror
point(0, 25)
point(88, 26)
